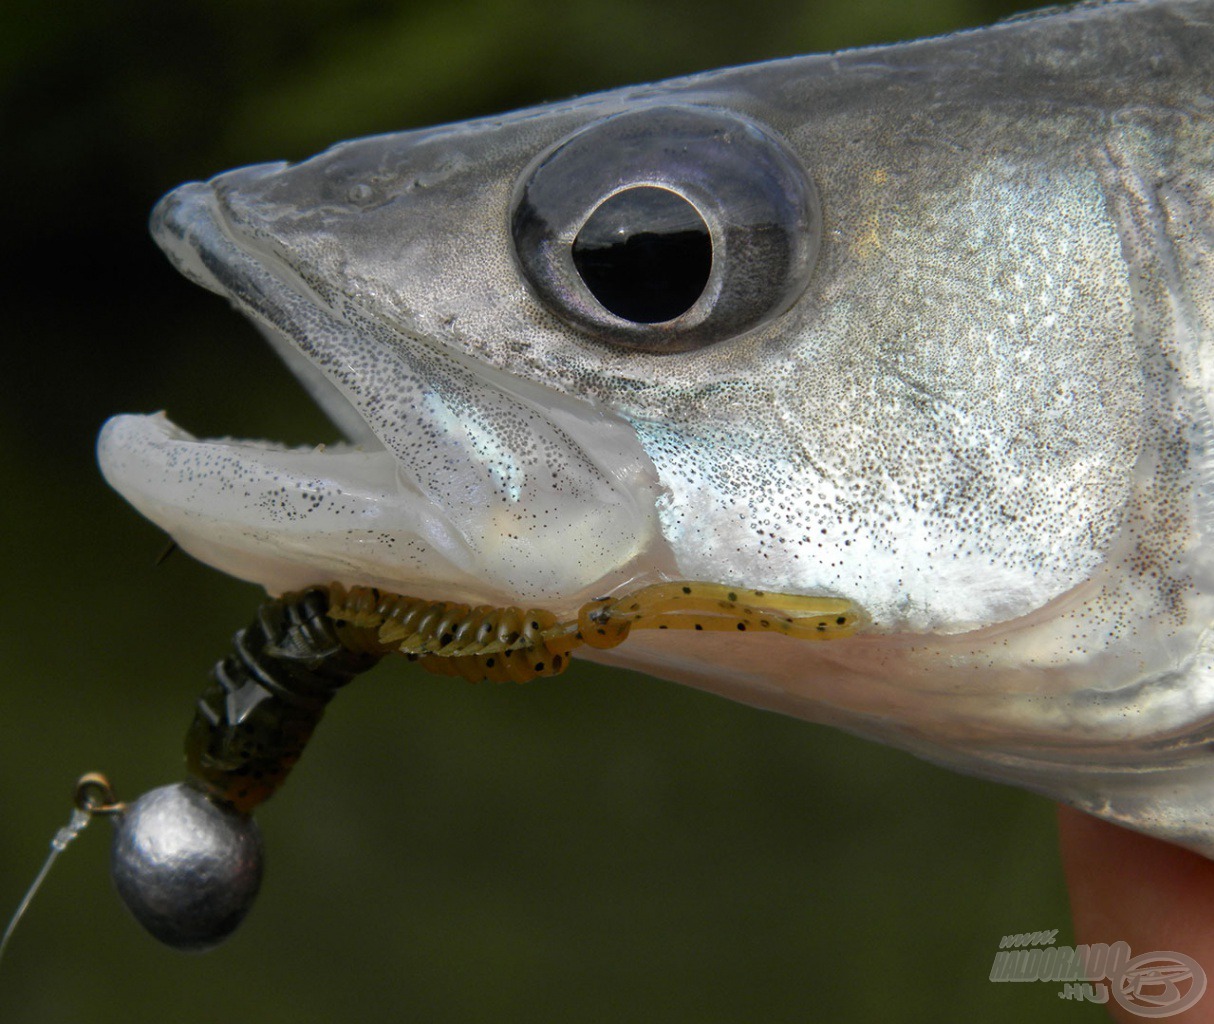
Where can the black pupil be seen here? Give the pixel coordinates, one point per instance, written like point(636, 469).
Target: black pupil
point(645, 254)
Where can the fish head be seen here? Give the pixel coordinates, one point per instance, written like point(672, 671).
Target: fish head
point(882, 388)
point(891, 326)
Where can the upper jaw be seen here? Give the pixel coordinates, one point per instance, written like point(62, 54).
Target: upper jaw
point(462, 482)
point(196, 230)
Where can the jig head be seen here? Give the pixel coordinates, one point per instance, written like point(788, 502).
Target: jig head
point(187, 858)
point(186, 866)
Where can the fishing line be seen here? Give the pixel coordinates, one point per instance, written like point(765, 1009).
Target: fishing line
point(93, 796)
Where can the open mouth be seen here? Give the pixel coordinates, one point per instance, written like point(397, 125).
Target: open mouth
point(456, 479)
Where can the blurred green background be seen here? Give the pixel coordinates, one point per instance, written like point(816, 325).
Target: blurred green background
point(601, 847)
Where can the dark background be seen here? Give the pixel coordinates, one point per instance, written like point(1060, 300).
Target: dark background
point(601, 847)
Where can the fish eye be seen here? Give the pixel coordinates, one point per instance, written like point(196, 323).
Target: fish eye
point(666, 229)
point(645, 254)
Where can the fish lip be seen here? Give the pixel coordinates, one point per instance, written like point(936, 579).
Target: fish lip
point(139, 453)
point(192, 227)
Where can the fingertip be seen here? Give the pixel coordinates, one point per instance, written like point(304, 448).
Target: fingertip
point(1128, 886)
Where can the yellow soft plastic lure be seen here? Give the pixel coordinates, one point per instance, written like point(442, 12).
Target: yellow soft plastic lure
point(187, 857)
point(514, 644)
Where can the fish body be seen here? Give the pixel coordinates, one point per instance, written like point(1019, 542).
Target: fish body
point(932, 332)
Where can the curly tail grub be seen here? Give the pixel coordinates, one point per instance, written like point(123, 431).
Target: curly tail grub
point(512, 644)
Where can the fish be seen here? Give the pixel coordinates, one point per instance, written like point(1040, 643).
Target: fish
point(924, 330)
